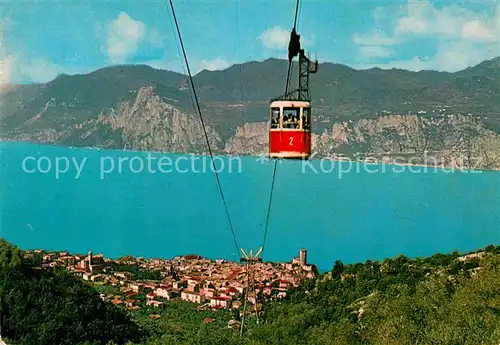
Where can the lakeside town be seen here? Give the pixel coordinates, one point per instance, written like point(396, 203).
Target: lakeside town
point(211, 284)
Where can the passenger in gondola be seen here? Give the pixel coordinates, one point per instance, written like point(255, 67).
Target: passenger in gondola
point(275, 119)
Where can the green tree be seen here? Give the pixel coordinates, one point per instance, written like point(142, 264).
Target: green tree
point(51, 306)
point(337, 270)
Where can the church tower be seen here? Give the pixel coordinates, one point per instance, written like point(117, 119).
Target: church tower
point(303, 256)
point(89, 259)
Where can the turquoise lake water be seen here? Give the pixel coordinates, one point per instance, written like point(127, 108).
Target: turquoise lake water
point(370, 212)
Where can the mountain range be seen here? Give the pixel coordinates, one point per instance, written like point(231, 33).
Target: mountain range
point(382, 114)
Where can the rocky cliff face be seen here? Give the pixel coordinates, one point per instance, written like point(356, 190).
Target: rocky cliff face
point(250, 139)
point(148, 123)
point(145, 122)
point(453, 140)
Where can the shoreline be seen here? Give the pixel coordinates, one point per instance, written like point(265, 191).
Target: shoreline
point(256, 156)
point(437, 167)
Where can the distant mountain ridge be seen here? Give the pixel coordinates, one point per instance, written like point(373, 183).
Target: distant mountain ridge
point(139, 107)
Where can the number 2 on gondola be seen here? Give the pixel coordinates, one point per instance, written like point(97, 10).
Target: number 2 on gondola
point(291, 141)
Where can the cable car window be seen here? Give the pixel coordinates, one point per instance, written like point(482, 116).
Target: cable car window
point(291, 117)
point(275, 117)
point(306, 118)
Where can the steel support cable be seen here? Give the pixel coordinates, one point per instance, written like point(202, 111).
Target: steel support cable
point(204, 128)
point(276, 160)
point(269, 207)
point(239, 56)
point(191, 98)
point(297, 6)
point(243, 114)
point(244, 304)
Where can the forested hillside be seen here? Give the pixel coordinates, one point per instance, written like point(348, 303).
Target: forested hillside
point(43, 307)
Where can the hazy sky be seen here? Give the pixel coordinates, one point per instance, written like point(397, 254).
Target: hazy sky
point(42, 39)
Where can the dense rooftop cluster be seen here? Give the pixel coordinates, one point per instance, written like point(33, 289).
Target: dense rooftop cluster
point(218, 284)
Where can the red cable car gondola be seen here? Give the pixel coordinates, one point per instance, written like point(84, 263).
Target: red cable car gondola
point(290, 115)
point(290, 129)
